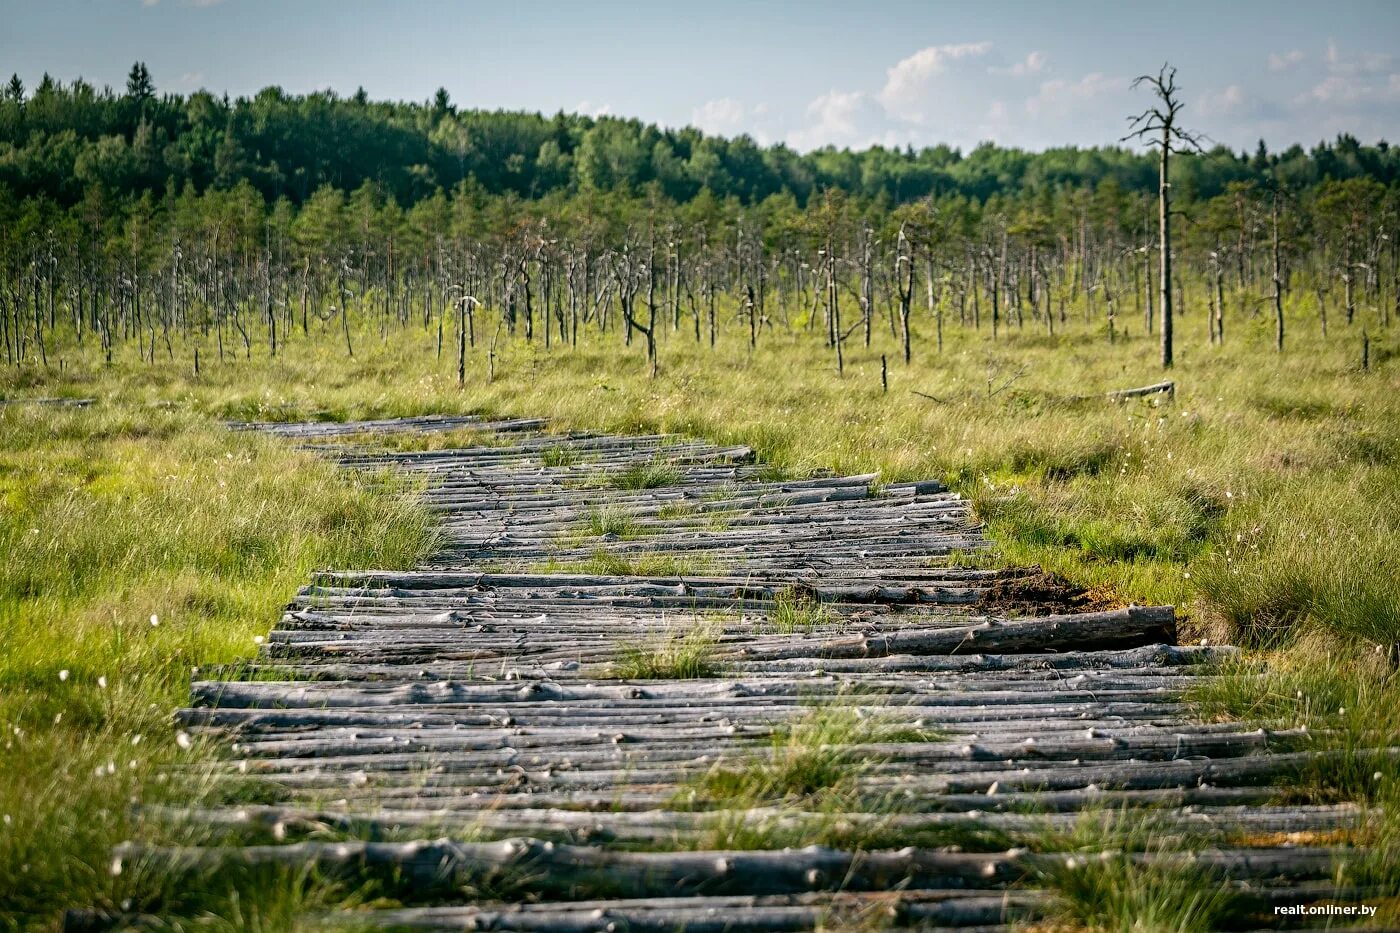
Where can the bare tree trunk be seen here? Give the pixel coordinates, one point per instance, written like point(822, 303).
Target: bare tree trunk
point(1278, 281)
point(1164, 246)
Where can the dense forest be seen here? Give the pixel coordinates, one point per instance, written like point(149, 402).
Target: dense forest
point(141, 216)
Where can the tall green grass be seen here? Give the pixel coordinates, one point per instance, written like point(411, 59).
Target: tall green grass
point(1145, 496)
point(140, 545)
point(1262, 502)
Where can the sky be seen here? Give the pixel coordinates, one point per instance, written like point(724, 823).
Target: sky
point(892, 72)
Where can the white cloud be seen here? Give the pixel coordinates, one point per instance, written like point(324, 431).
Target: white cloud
point(1059, 96)
point(1032, 64)
point(722, 116)
point(835, 116)
point(1365, 82)
point(726, 116)
point(590, 109)
point(844, 119)
point(1356, 63)
point(1227, 102)
point(190, 79)
point(1284, 61)
point(911, 84)
point(965, 93)
point(1344, 89)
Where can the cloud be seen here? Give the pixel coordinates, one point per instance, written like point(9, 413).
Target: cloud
point(723, 116)
point(1059, 96)
point(962, 94)
point(843, 119)
point(589, 109)
point(190, 79)
point(1362, 84)
point(726, 116)
point(1284, 61)
point(1356, 63)
point(1343, 89)
point(835, 114)
point(910, 86)
point(1227, 102)
point(1032, 64)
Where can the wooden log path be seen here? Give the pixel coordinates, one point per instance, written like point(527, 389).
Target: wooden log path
point(646, 684)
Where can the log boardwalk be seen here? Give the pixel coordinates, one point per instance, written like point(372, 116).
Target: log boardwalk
point(645, 684)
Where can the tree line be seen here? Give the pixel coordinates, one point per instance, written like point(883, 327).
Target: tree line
point(175, 222)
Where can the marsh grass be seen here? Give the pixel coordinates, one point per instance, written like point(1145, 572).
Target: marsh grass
point(140, 545)
point(1297, 560)
point(795, 611)
point(652, 475)
point(1347, 695)
point(1348, 700)
point(561, 456)
point(1099, 887)
point(711, 516)
point(678, 655)
point(1133, 496)
point(602, 522)
point(809, 759)
point(1262, 502)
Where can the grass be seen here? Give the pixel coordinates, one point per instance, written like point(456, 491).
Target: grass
point(713, 517)
point(605, 522)
point(561, 456)
point(1349, 701)
point(672, 510)
point(1264, 502)
point(140, 545)
point(653, 475)
point(798, 611)
point(1100, 887)
point(808, 760)
point(1144, 496)
point(805, 760)
point(1299, 556)
point(676, 656)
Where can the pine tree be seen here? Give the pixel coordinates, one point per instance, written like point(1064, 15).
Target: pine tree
point(139, 86)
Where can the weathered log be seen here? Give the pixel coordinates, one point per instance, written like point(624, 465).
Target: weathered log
point(443, 864)
point(1130, 627)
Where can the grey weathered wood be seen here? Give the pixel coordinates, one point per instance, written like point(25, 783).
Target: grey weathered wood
point(444, 864)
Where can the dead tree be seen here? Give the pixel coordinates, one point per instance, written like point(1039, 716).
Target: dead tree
point(1277, 270)
point(1157, 126)
point(904, 279)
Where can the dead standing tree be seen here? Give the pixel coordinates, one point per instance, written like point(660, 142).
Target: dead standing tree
point(1276, 194)
point(904, 282)
point(627, 270)
point(1157, 127)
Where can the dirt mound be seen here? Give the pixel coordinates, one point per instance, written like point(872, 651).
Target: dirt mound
point(1042, 593)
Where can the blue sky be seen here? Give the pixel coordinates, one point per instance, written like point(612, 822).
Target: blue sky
point(850, 74)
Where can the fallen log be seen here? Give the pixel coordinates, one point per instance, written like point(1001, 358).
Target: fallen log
point(555, 868)
point(1116, 628)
